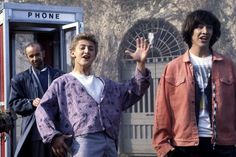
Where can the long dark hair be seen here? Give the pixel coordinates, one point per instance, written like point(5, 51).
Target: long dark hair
point(200, 17)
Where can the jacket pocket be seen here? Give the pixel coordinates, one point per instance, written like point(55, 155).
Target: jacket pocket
point(226, 88)
point(175, 81)
point(176, 92)
point(226, 81)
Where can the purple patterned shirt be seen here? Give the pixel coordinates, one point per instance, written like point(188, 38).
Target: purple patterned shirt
point(67, 108)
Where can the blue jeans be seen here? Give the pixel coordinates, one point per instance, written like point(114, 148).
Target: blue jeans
point(93, 144)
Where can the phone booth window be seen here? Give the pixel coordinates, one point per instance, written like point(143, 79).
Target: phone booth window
point(21, 40)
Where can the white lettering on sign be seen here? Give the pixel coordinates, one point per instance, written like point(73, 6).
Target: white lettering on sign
point(43, 15)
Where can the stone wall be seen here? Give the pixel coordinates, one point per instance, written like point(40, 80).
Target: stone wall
point(110, 20)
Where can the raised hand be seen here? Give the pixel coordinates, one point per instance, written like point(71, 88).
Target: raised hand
point(140, 55)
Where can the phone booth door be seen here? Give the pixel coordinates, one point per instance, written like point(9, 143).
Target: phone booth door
point(68, 32)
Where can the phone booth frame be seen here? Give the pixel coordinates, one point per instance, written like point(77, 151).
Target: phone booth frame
point(36, 17)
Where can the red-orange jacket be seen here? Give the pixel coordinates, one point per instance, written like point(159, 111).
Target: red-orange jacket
point(175, 121)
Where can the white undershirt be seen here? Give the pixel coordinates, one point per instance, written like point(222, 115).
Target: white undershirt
point(93, 85)
point(202, 67)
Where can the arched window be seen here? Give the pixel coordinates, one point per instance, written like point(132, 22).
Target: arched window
point(165, 39)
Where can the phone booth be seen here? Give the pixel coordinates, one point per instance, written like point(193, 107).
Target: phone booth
point(20, 23)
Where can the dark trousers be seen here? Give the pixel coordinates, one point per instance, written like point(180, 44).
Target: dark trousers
point(204, 149)
point(36, 149)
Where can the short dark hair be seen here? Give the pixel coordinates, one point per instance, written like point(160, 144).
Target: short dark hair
point(33, 44)
point(197, 17)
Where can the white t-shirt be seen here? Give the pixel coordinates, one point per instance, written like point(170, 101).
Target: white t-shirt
point(202, 71)
point(93, 85)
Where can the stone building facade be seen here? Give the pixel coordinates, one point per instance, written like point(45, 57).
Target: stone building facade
point(111, 19)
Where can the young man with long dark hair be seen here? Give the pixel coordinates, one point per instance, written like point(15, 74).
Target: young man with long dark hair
point(196, 100)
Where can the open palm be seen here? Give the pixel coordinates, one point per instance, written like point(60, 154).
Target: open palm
point(142, 47)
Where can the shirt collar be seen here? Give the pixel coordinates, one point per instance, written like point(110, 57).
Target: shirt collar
point(37, 71)
point(215, 56)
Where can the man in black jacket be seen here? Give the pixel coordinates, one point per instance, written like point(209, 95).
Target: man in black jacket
point(27, 88)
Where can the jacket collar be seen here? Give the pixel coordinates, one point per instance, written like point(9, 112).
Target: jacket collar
point(215, 56)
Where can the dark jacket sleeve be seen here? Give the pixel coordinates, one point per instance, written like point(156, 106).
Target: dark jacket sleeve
point(20, 98)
